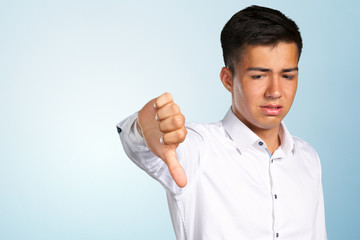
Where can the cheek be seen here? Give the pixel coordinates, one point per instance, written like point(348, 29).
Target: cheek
point(247, 97)
point(240, 94)
point(254, 93)
point(289, 95)
point(291, 91)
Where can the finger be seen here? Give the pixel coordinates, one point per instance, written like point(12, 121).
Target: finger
point(174, 137)
point(163, 100)
point(168, 110)
point(176, 170)
point(172, 123)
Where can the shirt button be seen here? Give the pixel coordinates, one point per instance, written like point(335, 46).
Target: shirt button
point(275, 196)
point(277, 235)
point(272, 160)
point(261, 143)
point(118, 129)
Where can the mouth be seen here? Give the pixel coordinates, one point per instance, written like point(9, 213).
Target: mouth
point(271, 110)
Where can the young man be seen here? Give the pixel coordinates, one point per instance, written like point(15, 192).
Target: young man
point(244, 177)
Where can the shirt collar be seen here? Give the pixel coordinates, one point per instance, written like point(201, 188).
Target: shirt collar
point(244, 137)
point(239, 132)
point(287, 141)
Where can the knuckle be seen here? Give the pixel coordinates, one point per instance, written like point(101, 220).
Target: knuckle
point(163, 99)
point(182, 117)
point(180, 135)
point(175, 108)
point(178, 121)
point(167, 97)
point(167, 94)
point(184, 133)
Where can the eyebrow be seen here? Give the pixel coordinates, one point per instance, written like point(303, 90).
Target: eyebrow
point(290, 69)
point(269, 70)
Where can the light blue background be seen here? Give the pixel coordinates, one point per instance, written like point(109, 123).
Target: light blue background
point(71, 70)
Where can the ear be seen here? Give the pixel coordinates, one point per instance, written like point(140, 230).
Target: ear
point(226, 77)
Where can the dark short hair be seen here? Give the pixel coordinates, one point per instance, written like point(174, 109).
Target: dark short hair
point(256, 25)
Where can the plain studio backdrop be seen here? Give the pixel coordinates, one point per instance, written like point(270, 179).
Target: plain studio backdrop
point(71, 70)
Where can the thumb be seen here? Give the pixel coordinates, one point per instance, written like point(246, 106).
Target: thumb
point(176, 170)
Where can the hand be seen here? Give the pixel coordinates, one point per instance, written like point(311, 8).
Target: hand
point(162, 125)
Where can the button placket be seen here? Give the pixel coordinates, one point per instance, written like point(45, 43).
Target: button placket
point(275, 196)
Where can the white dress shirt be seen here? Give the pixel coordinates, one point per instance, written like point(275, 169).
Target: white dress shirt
point(236, 189)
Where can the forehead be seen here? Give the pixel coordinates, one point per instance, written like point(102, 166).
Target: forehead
point(281, 55)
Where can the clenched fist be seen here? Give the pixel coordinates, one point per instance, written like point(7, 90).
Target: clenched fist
point(162, 125)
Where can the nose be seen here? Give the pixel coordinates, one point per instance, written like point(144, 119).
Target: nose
point(274, 88)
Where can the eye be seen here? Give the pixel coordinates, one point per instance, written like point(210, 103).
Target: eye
point(288, 77)
point(257, 76)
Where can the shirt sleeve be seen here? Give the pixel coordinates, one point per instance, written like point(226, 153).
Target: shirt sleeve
point(188, 154)
point(321, 227)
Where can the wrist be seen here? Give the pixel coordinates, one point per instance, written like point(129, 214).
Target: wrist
point(138, 127)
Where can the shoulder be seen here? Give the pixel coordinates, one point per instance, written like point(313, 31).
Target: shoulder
point(303, 146)
point(305, 151)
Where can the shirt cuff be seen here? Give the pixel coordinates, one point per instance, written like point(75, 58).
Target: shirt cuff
point(128, 127)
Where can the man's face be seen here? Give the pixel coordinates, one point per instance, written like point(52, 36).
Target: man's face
point(264, 85)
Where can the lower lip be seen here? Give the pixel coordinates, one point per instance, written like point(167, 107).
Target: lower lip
point(271, 111)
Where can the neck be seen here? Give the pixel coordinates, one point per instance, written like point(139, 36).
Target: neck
point(269, 136)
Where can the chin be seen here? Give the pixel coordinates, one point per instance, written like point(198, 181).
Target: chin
point(270, 124)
